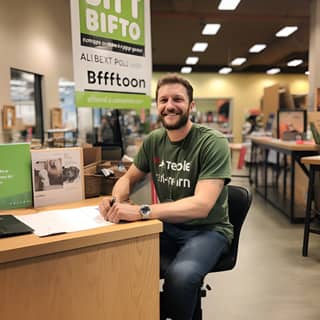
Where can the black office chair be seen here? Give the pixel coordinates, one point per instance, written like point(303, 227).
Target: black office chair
point(239, 203)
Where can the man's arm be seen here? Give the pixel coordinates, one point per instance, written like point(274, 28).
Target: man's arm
point(197, 206)
point(122, 188)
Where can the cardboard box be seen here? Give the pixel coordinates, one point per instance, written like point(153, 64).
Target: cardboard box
point(91, 155)
point(96, 183)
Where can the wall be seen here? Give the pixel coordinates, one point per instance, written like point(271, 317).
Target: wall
point(35, 36)
point(314, 52)
point(246, 90)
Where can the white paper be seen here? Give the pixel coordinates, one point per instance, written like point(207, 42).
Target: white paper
point(52, 222)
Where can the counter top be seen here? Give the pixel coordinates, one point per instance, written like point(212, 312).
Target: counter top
point(28, 246)
point(315, 160)
point(288, 145)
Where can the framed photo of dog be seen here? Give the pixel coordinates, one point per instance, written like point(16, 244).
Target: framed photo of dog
point(57, 176)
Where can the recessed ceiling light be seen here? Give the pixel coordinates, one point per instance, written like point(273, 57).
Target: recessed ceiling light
point(225, 70)
point(200, 47)
point(228, 4)
point(294, 63)
point(286, 31)
point(273, 71)
point(186, 70)
point(211, 29)
point(238, 61)
point(257, 48)
point(192, 60)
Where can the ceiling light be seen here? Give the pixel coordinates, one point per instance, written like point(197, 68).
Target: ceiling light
point(228, 4)
point(286, 31)
point(273, 71)
point(211, 29)
point(294, 63)
point(225, 70)
point(238, 61)
point(200, 47)
point(186, 70)
point(257, 48)
point(192, 60)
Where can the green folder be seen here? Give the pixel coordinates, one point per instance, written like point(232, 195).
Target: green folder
point(15, 176)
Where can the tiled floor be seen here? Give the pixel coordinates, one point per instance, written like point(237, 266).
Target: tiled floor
point(272, 281)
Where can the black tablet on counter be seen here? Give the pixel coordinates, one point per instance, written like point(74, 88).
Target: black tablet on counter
point(11, 226)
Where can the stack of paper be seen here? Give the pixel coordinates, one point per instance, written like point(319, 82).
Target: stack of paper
point(61, 221)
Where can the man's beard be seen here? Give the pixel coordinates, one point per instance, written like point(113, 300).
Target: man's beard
point(184, 117)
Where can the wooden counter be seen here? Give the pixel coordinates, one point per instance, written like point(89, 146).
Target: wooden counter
point(287, 145)
point(315, 160)
point(110, 272)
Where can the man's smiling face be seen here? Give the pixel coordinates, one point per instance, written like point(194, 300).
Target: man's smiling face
point(173, 106)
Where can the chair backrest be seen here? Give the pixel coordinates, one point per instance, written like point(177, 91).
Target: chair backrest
point(239, 203)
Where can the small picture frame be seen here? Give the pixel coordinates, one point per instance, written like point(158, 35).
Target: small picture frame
point(8, 117)
point(56, 118)
point(291, 123)
point(57, 175)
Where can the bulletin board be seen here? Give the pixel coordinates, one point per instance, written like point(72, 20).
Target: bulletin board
point(291, 121)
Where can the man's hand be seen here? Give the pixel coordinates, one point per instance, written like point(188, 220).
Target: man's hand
point(118, 211)
point(105, 205)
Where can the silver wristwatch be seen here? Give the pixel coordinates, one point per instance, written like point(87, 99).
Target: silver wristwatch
point(145, 211)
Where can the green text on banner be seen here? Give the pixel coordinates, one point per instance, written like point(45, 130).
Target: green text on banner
point(112, 53)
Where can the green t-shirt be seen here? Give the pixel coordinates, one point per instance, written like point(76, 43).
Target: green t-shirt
point(176, 167)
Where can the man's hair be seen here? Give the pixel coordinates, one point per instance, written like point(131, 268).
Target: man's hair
point(174, 78)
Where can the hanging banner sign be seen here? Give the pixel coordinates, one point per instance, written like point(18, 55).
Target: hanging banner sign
point(111, 44)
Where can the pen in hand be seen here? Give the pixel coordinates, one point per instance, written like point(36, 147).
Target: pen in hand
point(112, 201)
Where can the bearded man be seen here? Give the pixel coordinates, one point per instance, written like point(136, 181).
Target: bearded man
point(190, 168)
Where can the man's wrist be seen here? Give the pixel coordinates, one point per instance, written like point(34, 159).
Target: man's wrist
point(145, 212)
